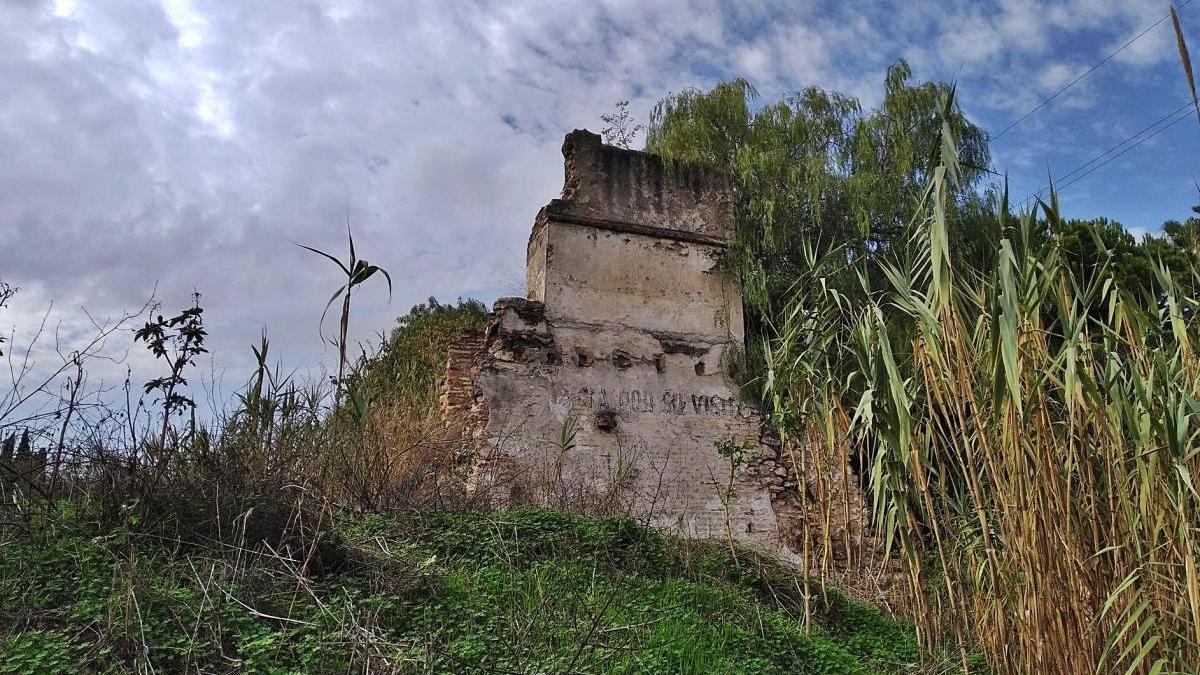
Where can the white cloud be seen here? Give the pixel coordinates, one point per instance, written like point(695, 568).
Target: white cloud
point(1139, 233)
point(754, 62)
point(187, 21)
point(1056, 75)
point(1153, 48)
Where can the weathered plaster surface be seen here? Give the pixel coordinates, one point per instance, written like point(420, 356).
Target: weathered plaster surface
point(643, 422)
point(636, 281)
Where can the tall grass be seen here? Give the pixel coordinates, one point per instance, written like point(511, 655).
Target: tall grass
point(1027, 437)
point(281, 456)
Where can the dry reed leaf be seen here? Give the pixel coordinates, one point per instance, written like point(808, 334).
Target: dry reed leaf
point(1185, 59)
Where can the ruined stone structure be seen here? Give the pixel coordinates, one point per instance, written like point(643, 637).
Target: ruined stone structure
point(607, 388)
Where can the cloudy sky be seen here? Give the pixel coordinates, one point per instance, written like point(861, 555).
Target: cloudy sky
point(180, 144)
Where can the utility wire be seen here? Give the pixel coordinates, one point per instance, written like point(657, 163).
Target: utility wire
point(1186, 106)
point(1179, 114)
point(1177, 120)
point(1089, 71)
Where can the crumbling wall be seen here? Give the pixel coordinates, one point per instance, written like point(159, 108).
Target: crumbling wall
point(608, 387)
point(605, 419)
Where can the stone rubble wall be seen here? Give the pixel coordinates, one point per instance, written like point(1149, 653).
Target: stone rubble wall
point(607, 389)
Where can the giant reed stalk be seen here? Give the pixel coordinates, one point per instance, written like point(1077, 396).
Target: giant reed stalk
point(1029, 441)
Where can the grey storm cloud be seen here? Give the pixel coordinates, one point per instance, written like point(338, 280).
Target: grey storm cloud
point(182, 145)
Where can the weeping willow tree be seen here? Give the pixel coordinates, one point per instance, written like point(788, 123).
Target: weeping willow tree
point(815, 173)
point(1022, 394)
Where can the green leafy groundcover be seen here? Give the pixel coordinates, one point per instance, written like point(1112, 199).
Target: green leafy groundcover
point(529, 591)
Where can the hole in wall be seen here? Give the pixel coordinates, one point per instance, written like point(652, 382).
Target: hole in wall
point(699, 367)
point(621, 360)
point(606, 419)
point(583, 358)
point(659, 365)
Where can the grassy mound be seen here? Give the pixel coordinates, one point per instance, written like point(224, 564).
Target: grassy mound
point(529, 591)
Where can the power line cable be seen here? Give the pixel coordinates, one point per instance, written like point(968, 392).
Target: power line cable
point(1177, 120)
point(1112, 148)
point(1176, 116)
point(1186, 106)
point(1089, 71)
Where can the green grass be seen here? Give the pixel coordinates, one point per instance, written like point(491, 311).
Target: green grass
point(530, 591)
